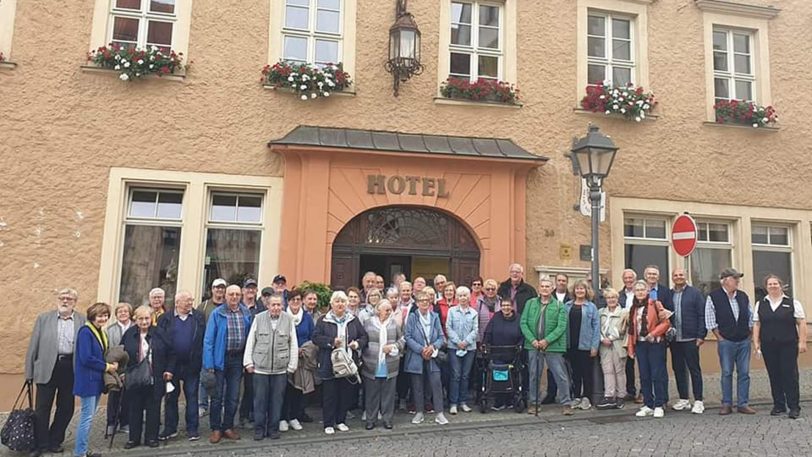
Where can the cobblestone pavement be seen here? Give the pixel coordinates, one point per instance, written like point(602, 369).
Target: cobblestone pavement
point(598, 433)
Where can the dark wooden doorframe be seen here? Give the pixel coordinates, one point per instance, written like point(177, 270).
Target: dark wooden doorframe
point(400, 231)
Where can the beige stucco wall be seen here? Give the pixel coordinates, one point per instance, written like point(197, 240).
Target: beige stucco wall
point(63, 129)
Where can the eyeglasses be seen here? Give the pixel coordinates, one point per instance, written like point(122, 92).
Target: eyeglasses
point(490, 288)
point(422, 299)
point(476, 283)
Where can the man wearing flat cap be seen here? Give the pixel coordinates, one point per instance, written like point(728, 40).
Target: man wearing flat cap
point(729, 317)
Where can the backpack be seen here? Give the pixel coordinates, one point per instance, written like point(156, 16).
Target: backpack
point(344, 366)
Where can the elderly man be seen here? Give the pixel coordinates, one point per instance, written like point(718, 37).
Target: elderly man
point(728, 316)
point(658, 291)
point(418, 285)
point(49, 364)
point(405, 305)
point(256, 306)
point(689, 321)
point(562, 288)
point(157, 302)
point(439, 285)
point(280, 286)
point(516, 289)
point(223, 348)
point(368, 282)
point(268, 359)
point(184, 327)
point(218, 297)
point(626, 296)
point(380, 284)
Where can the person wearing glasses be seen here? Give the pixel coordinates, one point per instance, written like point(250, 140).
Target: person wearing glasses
point(293, 409)
point(368, 310)
point(381, 365)
point(476, 288)
point(424, 338)
point(487, 305)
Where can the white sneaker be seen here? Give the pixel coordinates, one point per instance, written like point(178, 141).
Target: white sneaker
point(464, 407)
point(453, 409)
point(342, 428)
point(418, 418)
point(644, 411)
point(283, 426)
point(681, 404)
point(659, 412)
point(440, 419)
point(329, 430)
point(364, 417)
point(585, 404)
point(294, 424)
point(698, 408)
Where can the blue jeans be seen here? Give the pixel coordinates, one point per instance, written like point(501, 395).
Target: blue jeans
point(190, 382)
point(460, 374)
point(653, 375)
point(269, 394)
point(738, 353)
point(227, 394)
point(88, 408)
point(557, 366)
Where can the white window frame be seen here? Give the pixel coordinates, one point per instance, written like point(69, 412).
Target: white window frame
point(721, 245)
point(788, 248)
point(474, 50)
point(731, 75)
point(645, 239)
point(234, 224)
point(8, 10)
point(609, 62)
point(144, 16)
point(312, 35)
point(101, 33)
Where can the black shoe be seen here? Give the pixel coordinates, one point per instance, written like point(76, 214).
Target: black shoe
point(153, 444)
point(548, 400)
point(794, 413)
point(131, 444)
point(36, 453)
point(387, 425)
point(606, 403)
point(629, 397)
point(93, 454)
point(167, 436)
point(619, 403)
point(56, 449)
point(274, 435)
point(777, 411)
point(259, 436)
point(370, 425)
point(305, 418)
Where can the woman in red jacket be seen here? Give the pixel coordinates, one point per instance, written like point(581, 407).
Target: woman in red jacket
point(448, 301)
point(648, 325)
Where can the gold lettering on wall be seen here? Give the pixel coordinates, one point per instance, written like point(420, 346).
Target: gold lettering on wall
point(398, 185)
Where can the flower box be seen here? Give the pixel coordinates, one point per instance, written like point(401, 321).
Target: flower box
point(482, 90)
point(135, 63)
point(633, 103)
point(744, 113)
point(306, 80)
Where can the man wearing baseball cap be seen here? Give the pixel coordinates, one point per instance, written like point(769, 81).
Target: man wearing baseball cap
point(280, 286)
point(728, 316)
point(218, 297)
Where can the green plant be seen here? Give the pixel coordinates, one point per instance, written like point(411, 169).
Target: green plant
point(480, 90)
point(322, 290)
point(631, 102)
point(744, 113)
point(135, 63)
point(306, 80)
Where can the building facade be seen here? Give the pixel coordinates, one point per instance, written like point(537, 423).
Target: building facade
point(115, 187)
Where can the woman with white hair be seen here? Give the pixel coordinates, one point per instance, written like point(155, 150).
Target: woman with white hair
point(462, 329)
point(338, 329)
point(381, 364)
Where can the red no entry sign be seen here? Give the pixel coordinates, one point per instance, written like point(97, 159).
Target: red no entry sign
point(683, 235)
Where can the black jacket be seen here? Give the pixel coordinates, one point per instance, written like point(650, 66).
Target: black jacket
point(523, 293)
point(163, 356)
point(195, 358)
point(324, 336)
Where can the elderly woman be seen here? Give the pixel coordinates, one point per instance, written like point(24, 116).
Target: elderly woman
point(89, 368)
point(338, 329)
point(424, 338)
point(368, 310)
point(310, 300)
point(117, 406)
point(646, 342)
point(583, 341)
point(614, 321)
point(293, 413)
point(146, 344)
point(779, 333)
point(354, 301)
point(462, 328)
point(448, 301)
point(486, 305)
point(381, 363)
point(476, 289)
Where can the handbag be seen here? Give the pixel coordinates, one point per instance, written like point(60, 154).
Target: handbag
point(140, 374)
point(344, 366)
point(18, 431)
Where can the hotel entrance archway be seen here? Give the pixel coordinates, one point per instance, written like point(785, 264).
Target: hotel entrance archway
point(416, 241)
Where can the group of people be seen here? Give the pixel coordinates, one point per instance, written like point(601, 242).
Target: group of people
point(411, 345)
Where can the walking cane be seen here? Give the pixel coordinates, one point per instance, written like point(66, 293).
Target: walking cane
point(538, 379)
point(116, 418)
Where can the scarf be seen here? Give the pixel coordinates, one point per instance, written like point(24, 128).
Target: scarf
point(490, 302)
point(297, 317)
point(644, 318)
point(383, 336)
point(101, 337)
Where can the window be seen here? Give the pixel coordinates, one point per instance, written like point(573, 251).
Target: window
point(233, 237)
point(312, 31)
point(142, 23)
point(733, 73)
point(476, 46)
point(646, 243)
point(772, 254)
point(712, 255)
point(7, 13)
point(610, 49)
point(152, 230)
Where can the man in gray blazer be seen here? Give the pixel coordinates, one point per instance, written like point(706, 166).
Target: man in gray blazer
point(49, 364)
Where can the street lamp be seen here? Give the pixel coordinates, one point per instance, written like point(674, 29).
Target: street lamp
point(404, 47)
point(594, 154)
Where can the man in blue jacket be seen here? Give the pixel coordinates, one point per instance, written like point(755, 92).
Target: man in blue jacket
point(689, 321)
point(223, 348)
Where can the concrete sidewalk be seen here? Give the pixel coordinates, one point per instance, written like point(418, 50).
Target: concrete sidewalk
point(313, 432)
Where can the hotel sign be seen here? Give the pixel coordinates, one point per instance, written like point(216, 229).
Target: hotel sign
point(411, 185)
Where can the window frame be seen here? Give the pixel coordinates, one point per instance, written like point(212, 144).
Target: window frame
point(312, 35)
point(608, 61)
point(474, 50)
point(8, 11)
point(144, 16)
point(732, 76)
point(236, 224)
